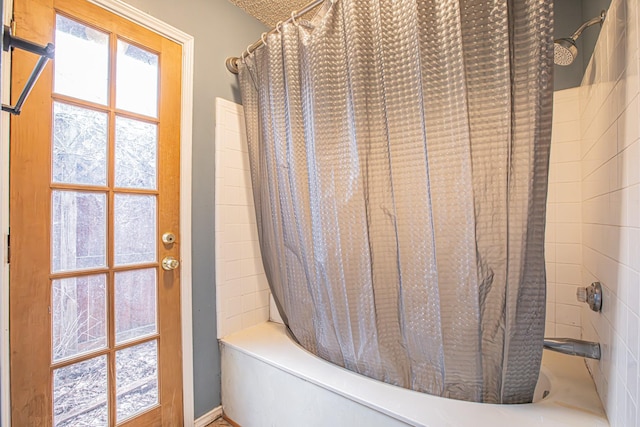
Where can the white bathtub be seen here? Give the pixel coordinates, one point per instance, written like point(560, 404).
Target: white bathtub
point(268, 380)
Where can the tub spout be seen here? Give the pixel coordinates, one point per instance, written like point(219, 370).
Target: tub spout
point(573, 347)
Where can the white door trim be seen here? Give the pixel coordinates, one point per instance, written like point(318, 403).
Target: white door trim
point(187, 41)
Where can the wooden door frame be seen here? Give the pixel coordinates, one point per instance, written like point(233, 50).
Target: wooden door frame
point(138, 17)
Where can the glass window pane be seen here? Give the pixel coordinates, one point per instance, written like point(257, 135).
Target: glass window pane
point(79, 145)
point(135, 304)
point(80, 394)
point(81, 61)
point(79, 315)
point(78, 230)
point(136, 379)
point(136, 80)
point(136, 158)
point(135, 228)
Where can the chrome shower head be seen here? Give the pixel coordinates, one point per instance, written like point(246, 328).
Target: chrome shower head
point(565, 50)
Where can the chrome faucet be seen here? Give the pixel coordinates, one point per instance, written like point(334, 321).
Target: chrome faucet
point(573, 347)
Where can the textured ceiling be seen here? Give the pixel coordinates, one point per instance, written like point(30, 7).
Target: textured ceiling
point(270, 11)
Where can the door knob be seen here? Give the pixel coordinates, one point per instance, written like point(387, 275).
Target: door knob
point(168, 238)
point(170, 263)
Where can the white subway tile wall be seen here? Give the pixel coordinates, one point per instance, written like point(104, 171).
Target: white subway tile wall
point(610, 149)
point(564, 215)
point(242, 291)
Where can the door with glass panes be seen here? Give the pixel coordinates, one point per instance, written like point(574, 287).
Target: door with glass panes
point(94, 215)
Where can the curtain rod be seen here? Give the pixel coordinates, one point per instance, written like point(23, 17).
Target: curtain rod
point(232, 61)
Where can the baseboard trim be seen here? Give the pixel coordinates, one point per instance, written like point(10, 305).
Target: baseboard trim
point(209, 417)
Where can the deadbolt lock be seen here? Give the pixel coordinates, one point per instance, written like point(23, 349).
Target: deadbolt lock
point(170, 263)
point(168, 238)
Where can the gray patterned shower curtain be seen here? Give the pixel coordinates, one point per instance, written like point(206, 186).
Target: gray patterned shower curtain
point(399, 157)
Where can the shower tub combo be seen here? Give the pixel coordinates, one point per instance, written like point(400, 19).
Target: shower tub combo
point(386, 170)
point(268, 380)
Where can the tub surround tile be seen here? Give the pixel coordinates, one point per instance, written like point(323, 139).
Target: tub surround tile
point(240, 280)
point(610, 130)
point(563, 236)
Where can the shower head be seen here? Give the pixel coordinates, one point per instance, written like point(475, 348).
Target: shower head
point(565, 50)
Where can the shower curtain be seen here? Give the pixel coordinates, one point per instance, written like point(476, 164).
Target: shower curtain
point(399, 158)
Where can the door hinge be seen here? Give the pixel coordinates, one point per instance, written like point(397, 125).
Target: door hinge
point(8, 248)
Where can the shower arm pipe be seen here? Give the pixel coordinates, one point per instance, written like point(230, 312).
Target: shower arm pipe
point(232, 61)
point(589, 23)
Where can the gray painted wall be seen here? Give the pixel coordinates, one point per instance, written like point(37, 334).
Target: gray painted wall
point(220, 30)
point(569, 15)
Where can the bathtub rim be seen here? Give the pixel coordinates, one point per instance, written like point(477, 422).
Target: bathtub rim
point(270, 344)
